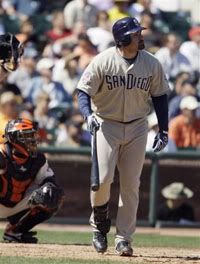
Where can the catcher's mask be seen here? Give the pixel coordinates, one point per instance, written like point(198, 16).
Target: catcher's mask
point(11, 51)
point(22, 134)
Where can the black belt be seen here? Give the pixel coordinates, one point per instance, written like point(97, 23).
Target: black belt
point(129, 122)
point(121, 122)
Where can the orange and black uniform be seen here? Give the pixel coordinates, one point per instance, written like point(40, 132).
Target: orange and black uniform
point(17, 177)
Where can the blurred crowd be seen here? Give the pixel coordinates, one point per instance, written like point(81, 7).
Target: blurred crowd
point(62, 37)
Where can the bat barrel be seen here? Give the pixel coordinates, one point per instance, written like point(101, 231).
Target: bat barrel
point(95, 167)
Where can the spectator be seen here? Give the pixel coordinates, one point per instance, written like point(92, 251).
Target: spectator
point(176, 208)
point(136, 9)
point(80, 11)
point(46, 123)
point(32, 41)
point(72, 132)
point(104, 5)
point(172, 60)
point(119, 10)
point(27, 33)
point(11, 18)
point(177, 84)
point(9, 109)
point(27, 8)
point(184, 130)
point(44, 82)
point(5, 86)
point(101, 35)
point(23, 76)
point(58, 30)
point(85, 50)
point(187, 88)
point(191, 49)
point(68, 43)
point(68, 73)
point(151, 36)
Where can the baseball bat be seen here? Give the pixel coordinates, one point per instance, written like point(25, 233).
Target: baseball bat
point(94, 179)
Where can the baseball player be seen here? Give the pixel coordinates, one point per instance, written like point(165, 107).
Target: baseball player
point(29, 194)
point(11, 51)
point(113, 95)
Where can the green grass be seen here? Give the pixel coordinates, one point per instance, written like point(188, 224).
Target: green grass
point(140, 240)
point(145, 240)
point(84, 238)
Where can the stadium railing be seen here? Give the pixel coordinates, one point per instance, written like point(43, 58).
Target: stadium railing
point(154, 177)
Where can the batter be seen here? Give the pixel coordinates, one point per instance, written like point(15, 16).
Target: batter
point(115, 94)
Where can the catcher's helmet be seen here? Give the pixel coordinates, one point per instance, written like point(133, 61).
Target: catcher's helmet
point(10, 51)
point(122, 29)
point(22, 135)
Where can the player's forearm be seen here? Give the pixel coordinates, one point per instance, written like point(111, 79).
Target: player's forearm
point(160, 104)
point(84, 103)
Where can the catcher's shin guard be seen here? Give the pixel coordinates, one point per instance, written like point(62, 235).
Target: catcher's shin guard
point(101, 223)
point(19, 225)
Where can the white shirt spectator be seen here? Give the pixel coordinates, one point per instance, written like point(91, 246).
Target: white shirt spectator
point(76, 11)
point(165, 6)
point(60, 74)
point(192, 51)
point(100, 37)
point(101, 4)
point(172, 65)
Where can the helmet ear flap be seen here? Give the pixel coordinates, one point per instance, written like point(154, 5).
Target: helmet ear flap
point(125, 41)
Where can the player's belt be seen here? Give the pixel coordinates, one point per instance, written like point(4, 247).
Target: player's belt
point(129, 122)
point(121, 122)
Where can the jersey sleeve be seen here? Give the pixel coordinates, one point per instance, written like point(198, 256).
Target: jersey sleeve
point(91, 78)
point(159, 85)
point(44, 173)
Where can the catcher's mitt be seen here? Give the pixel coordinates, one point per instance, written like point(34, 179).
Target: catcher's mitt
point(10, 52)
point(49, 196)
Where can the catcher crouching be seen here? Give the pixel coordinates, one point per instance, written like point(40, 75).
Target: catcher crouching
point(29, 194)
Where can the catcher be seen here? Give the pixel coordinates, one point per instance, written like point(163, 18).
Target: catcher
point(11, 51)
point(29, 194)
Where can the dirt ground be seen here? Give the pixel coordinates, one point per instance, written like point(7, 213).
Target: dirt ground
point(141, 255)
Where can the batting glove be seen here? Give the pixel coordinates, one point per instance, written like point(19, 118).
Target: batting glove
point(92, 124)
point(160, 141)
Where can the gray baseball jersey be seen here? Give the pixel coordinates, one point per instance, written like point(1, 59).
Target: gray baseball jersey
point(120, 91)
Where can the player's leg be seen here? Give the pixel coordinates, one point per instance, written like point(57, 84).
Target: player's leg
point(21, 219)
point(130, 163)
point(107, 151)
point(20, 224)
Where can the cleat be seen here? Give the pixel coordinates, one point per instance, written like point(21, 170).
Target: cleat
point(123, 248)
point(18, 237)
point(100, 242)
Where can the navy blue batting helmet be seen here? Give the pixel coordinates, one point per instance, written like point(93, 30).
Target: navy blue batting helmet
point(122, 29)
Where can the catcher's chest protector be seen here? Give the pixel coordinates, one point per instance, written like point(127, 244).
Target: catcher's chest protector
point(17, 178)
